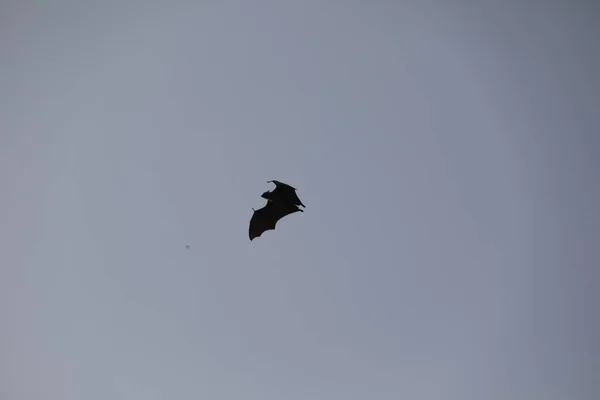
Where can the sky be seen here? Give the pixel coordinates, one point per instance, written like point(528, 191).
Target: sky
point(447, 153)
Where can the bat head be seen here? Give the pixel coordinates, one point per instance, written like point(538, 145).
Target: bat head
point(267, 195)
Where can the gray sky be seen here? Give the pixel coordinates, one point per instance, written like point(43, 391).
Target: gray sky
point(447, 154)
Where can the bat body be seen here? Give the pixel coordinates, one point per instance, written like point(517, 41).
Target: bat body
point(282, 201)
point(283, 193)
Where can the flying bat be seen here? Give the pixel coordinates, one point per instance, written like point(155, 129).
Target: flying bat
point(283, 193)
point(266, 218)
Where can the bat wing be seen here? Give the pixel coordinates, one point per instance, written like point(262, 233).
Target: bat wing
point(281, 184)
point(286, 193)
point(267, 217)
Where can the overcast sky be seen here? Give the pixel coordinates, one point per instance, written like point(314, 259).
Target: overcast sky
point(447, 152)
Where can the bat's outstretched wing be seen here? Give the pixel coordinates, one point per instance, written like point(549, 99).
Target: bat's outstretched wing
point(266, 218)
point(285, 193)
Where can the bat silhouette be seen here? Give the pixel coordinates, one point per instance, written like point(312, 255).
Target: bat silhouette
point(282, 201)
point(283, 193)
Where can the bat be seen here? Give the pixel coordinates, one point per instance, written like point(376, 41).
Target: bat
point(283, 193)
point(266, 218)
